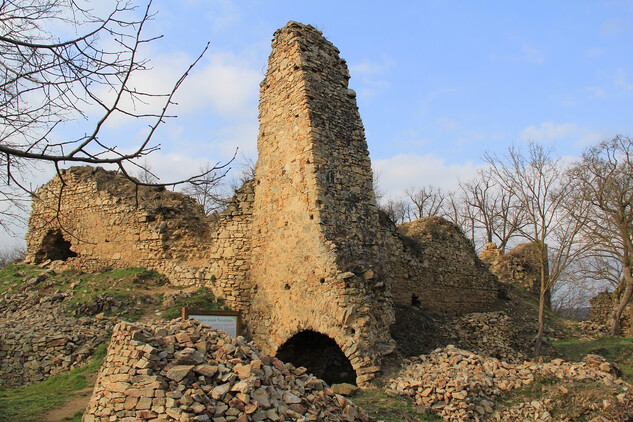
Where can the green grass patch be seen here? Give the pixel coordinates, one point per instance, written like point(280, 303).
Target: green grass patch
point(28, 403)
point(202, 300)
point(615, 349)
point(383, 406)
point(122, 285)
point(14, 275)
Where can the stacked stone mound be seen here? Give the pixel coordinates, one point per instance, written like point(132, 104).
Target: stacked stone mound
point(590, 330)
point(487, 333)
point(38, 340)
point(461, 386)
point(186, 371)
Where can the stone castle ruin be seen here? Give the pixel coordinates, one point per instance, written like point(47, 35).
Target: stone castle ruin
point(302, 251)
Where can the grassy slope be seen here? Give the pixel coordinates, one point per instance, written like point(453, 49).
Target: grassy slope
point(615, 349)
point(28, 403)
point(140, 292)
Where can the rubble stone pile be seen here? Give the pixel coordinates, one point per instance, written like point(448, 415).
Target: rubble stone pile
point(186, 371)
point(38, 340)
point(591, 330)
point(488, 334)
point(462, 386)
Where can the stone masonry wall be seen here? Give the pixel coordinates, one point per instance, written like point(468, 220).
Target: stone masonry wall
point(103, 223)
point(433, 265)
point(520, 266)
point(315, 220)
point(602, 306)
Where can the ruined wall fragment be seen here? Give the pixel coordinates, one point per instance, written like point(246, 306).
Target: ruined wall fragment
point(520, 266)
point(104, 222)
point(434, 266)
point(315, 221)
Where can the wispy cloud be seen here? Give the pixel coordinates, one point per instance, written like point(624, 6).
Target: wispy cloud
point(596, 91)
point(594, 53)
point(622, 80)
point(616, 27)
point(402, 171)
point(372, 76)
point(548, 131)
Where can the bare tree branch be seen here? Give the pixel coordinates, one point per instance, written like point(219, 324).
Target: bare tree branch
point(50, 80)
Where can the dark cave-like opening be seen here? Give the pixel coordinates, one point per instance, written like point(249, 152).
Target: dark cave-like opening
point(54, 247)
point(320, 355)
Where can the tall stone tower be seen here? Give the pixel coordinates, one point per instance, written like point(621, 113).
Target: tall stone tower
point(316, 264)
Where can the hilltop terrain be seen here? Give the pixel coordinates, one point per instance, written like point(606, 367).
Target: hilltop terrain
point(55, 321)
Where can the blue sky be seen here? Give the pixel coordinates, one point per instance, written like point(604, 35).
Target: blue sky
point(438, 82)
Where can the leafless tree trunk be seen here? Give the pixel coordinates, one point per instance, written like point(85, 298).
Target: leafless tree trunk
point(397, 210)
point(536, 179)
point(494, 208)
point(605, 180)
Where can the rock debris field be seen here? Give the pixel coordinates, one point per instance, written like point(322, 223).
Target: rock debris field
point(462, 386)
point(186, 371)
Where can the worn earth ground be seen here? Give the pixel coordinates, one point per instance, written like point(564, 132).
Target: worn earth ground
point(479, 338)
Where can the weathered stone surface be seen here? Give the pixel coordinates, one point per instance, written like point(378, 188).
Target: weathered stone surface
point(462, 386)
point(302, 247)
point(37, 339)
point(520, 266)
point(270, 393)
point(344, 389)
point(435, 266)
point(602, 306)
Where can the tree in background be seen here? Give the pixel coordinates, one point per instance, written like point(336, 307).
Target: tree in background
point(537, 181)
point(206, 191)
point(492, 208)
point(605, 190)
point(85, 69)
point(426, 201)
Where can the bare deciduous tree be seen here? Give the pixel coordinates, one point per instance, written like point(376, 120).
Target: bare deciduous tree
point(427, 201)
point(492, 208)
point(206, 191)
point(605, 181)
point(50, 79)
point(398, 210)
point(536, 179)
point(454, 209)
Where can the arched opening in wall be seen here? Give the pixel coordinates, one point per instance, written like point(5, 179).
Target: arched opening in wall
point(320, 355)
point(54, 247)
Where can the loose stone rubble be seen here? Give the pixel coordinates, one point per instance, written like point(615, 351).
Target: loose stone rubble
point(488, 334)
point(186, 371)
point(462, 386)
point(36, 338)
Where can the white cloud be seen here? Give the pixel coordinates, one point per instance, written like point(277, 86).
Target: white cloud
point(548, 131)
point(596, 91)
point(403, 171)
point(532, 55)
point(227, 83)
point(371, 76)
point(371, 68)
point(526, 54)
